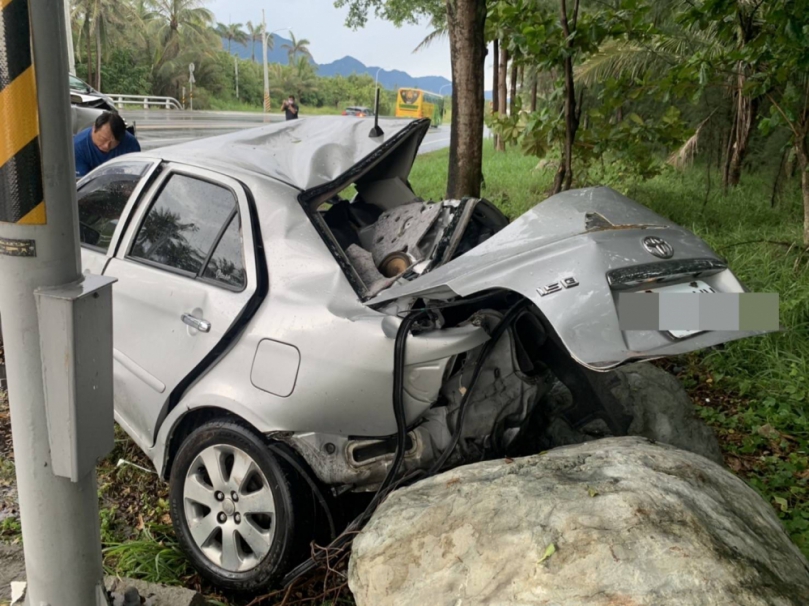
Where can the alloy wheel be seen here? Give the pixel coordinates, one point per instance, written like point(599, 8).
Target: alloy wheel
point(229, 508)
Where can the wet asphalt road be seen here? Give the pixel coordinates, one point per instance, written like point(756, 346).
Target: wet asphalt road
point(158, 128)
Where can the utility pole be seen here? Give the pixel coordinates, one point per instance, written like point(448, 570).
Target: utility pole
point(236, 69)
point(264, 52)
point(57, 328)
point(191, 81)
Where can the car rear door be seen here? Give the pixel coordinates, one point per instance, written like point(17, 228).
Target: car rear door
point(186, 269)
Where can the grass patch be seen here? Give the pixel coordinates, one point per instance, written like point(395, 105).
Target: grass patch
point(753, 392)
point(154, 556)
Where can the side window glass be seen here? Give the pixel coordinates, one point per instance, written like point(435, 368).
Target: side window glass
point(102, 200)
point(227, 264)
point(184, 224)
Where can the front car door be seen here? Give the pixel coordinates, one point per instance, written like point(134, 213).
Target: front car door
point(186, 268)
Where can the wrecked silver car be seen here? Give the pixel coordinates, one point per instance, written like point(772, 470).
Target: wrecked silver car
point(292, 321)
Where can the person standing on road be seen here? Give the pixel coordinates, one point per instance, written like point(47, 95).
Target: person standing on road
point(106, 139)
point(290, 108)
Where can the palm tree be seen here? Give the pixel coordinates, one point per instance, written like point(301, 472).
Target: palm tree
point(232, 32)
point(254, 35)
point(297, 47)
point(178, 33)
point(175, 16)
point(672, 48)
point(98, 17)
point(439, 33)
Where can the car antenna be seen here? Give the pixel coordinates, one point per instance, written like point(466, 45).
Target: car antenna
point(376, 131)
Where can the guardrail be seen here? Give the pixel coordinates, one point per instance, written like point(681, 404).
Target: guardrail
point(146, 101)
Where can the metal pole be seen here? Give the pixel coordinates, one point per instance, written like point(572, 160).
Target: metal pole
point(236, 69)
point(266, 73)
point(71, 56)
point(39, 248)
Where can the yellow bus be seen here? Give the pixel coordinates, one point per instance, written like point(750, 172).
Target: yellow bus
point(415, 103)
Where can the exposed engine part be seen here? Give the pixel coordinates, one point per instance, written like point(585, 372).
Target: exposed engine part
point(410, 239)
point(346, 465)
point(396, 263)
point(401, 229)
point(503, 399)
point(363, 264)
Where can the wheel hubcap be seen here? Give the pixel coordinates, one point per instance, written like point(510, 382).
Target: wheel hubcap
point(234, 532)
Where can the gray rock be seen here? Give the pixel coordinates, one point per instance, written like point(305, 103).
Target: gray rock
point(661, 410)
point(151, 594)
point(613, 522)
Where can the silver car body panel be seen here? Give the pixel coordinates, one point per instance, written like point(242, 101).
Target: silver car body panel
point(304, 154)
point(559, 239)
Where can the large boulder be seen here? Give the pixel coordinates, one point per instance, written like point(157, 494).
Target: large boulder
point(654, 399)
point(613, 522)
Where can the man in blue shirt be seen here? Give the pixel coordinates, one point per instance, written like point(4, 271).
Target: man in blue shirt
point(105, 140)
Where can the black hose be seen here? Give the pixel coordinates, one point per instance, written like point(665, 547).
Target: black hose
point(389, 482)
point(401, 447)
point(281, 452)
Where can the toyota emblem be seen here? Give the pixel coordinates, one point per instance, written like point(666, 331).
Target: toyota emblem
point(658, 247)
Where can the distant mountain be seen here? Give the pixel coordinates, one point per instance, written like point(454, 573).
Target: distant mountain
point(346, 66)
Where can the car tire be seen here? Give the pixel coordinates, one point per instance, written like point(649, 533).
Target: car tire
point(233, 507)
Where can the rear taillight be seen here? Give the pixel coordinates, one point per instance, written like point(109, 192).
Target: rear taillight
point(345, 113)
point(360, 115)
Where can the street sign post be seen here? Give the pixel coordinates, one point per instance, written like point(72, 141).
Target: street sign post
point(264, 53)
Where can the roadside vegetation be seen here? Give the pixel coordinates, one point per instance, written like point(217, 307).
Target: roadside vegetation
point(144, 48)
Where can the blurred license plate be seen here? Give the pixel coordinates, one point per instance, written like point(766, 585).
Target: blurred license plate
point(697, 286)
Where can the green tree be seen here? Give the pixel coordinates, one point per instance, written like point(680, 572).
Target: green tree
point(99, 19)
point(254, 35)
point(176, 20)
point(179, 33)
point(466, 26)
point(232, 32)
point(297, 47)
point(781, 53)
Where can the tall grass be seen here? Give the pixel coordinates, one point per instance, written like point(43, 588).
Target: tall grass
point(155, 557)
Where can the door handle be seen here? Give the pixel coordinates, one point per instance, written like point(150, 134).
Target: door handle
point(199, 324)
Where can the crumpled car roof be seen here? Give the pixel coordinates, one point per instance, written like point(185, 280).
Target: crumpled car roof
point(303, 153)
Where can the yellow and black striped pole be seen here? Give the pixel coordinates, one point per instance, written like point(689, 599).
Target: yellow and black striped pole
point(21, 196)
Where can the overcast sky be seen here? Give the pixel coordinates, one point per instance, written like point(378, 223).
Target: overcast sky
point(378, 44)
